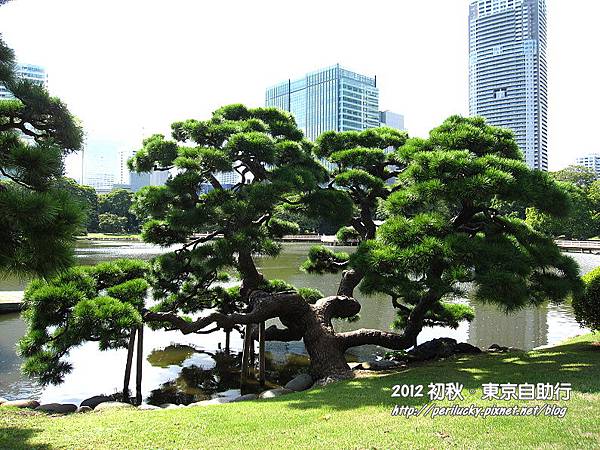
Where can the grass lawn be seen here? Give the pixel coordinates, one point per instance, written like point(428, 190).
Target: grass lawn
point(351, 414)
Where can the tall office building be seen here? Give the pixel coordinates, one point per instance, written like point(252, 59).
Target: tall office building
point(332, 98)
point(30, 72)
point(591, 161)
point(507, 71)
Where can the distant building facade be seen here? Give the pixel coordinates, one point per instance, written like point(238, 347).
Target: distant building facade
point(31, 72)
point(102, 182)
point(391, 119)
point(332, 98)
point(591, 161)
point(508, 71)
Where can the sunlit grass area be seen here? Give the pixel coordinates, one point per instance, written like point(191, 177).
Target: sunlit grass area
point(351, 414)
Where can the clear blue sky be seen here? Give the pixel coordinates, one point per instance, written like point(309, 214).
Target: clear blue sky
point(124, 65)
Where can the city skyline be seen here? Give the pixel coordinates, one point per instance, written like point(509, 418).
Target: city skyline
point(420, 57)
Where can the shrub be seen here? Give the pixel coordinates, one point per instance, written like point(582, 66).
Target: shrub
point(587, 306)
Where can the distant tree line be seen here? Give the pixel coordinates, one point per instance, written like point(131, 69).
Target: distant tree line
point(106, 213)
point(583, 188)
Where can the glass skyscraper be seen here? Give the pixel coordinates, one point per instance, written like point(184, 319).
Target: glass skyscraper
point(332, 98)
point(507, 71)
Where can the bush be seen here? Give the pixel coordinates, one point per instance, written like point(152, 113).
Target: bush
point(587, 306)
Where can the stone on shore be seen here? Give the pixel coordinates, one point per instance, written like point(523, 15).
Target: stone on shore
point(171, 406)
point(94, 401)
point(246, 397)
point(25, 403)
point(112, 405)
point(60, 408)
point(463, 347)
point(436, 348)
point(147, 407)
point(501, 349)
point(83, 409)
point(212, 401)
point(272, 393)
point(384, 364)
point(300, 383)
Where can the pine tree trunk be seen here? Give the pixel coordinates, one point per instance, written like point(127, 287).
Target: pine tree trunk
point(128, 364)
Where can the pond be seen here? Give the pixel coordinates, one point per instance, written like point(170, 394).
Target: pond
point(189, 368)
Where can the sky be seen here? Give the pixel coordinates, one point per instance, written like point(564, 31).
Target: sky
point(129, 68)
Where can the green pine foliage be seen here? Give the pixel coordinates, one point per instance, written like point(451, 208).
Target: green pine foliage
point(39, 219)
point(443, 228)
point(279, 179)
point(99, 303)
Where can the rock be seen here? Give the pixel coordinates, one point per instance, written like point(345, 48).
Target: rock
point(112, 405)
point(2, 400)
point(22, 403)
point(147, 407)
point(166, 405)
point(94, 401)
point(436, 348)
point(463, 347)
point(172, 406)
point(61, 408)
point(498, 348)
point(300, 383)
point(212, 401)
point(355, 366)
point(243, 398)
point(272, 393)
point(334, 378)
point(83, 409)
point(385, 364)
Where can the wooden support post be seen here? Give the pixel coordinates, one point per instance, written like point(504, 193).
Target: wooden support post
point(138, 370)
point(127, 376)
point(252, 356)
point(227, 339)
point(245, 356)
point(261, 353)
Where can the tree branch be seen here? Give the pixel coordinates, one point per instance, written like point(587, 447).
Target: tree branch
point(265, 306)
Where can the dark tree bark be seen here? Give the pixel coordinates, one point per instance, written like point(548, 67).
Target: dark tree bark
point(138, 372)
point(312, 323)
point(128, 364)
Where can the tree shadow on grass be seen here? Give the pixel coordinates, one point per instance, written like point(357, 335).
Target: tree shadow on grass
point(576, 363)
point(16, 438)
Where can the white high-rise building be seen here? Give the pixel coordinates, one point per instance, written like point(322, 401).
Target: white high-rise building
point(507, 71)
point(591, 161)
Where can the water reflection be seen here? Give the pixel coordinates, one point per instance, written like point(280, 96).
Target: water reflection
point(186, 364)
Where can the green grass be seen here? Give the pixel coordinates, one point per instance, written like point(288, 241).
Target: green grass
point(352, 414)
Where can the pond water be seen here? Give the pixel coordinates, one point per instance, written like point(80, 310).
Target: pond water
point(179, 368)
